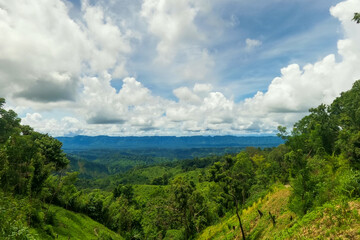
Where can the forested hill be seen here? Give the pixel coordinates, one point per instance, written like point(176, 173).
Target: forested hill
point(107, 142)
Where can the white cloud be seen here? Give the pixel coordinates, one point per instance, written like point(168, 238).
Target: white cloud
point(43, 52)
point(181, 44)
point(65, 126)
point(132, 105)
point(290, 96)
point(200, 110)
point(120, 70)
point(197, 67)
point(49, 61)
point(37, 47)
point(133, 93)
point(202, 88)
point(184, 94)
point(109, 44)
point(252, 43)
point(172, 22)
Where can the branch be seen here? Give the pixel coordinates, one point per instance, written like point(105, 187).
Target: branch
point(356, 17)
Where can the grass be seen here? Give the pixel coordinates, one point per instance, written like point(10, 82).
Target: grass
point(70, 225)
point(255, 227)
point(334, 220)
point(52, 223)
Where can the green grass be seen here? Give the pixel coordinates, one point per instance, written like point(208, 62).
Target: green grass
point(55, 222)
point(254, 226)
point(70, 225)
point(334, 220)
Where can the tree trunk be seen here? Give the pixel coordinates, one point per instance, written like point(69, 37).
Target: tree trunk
point(53, 195)
point(272, 217)
point(238, 216)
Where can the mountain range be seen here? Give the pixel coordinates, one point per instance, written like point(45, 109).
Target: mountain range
point(166, 142)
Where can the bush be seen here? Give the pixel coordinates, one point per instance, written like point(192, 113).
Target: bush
point(49, 230)
point(37, 217)
point(50, 217)
point(174, 235)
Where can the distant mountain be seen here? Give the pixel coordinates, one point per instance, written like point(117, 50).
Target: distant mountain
point(166, 142)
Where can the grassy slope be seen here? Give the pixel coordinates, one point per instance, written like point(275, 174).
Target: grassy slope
point(70, 225)
point(332, 221)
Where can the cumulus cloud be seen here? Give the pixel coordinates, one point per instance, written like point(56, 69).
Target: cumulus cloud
point(53, 88)
point(50, 61)
point(179, 39)
point(107, 42)
point(173, 23)
point(290, 96)
point(37, 47)
point(65, 126)
point(287, 98)
point(133, 104)
point(197, 67)
point(43, 52)
point(184, 94)
point(201, 110)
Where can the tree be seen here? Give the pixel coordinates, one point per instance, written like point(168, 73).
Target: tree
point(236, 177)
point(183, 190)
point(51, 150)
point(125, 191)
point(316, 132)
point(346, 112)
point(356, 17)
point(9, 122)
point(20, 154)
point(26, 157)
point(158, 216)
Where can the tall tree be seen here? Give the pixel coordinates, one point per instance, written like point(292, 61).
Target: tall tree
point(183, 191)
point(235, 176)
point(26, 157)
point(9, 122)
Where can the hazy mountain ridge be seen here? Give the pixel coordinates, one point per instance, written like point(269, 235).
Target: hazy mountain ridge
point(108, 142)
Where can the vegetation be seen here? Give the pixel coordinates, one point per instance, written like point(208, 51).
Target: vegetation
point(308, 186)
point(356, 17)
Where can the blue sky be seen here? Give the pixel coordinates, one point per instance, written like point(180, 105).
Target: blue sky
point(174, 67)
point(289, 31)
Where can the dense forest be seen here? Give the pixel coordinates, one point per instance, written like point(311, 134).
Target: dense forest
point(308, 185)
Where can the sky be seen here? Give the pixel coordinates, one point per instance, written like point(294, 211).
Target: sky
point(174, 67)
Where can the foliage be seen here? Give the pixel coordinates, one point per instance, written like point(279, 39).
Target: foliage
point(26, 157)
point(356, 17)
point(13, 218)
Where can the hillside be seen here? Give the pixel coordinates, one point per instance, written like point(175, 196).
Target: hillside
point(334, 220)
point(48, 223)
point(70, 225)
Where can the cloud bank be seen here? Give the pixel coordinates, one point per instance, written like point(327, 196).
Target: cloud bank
point(60, 71)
